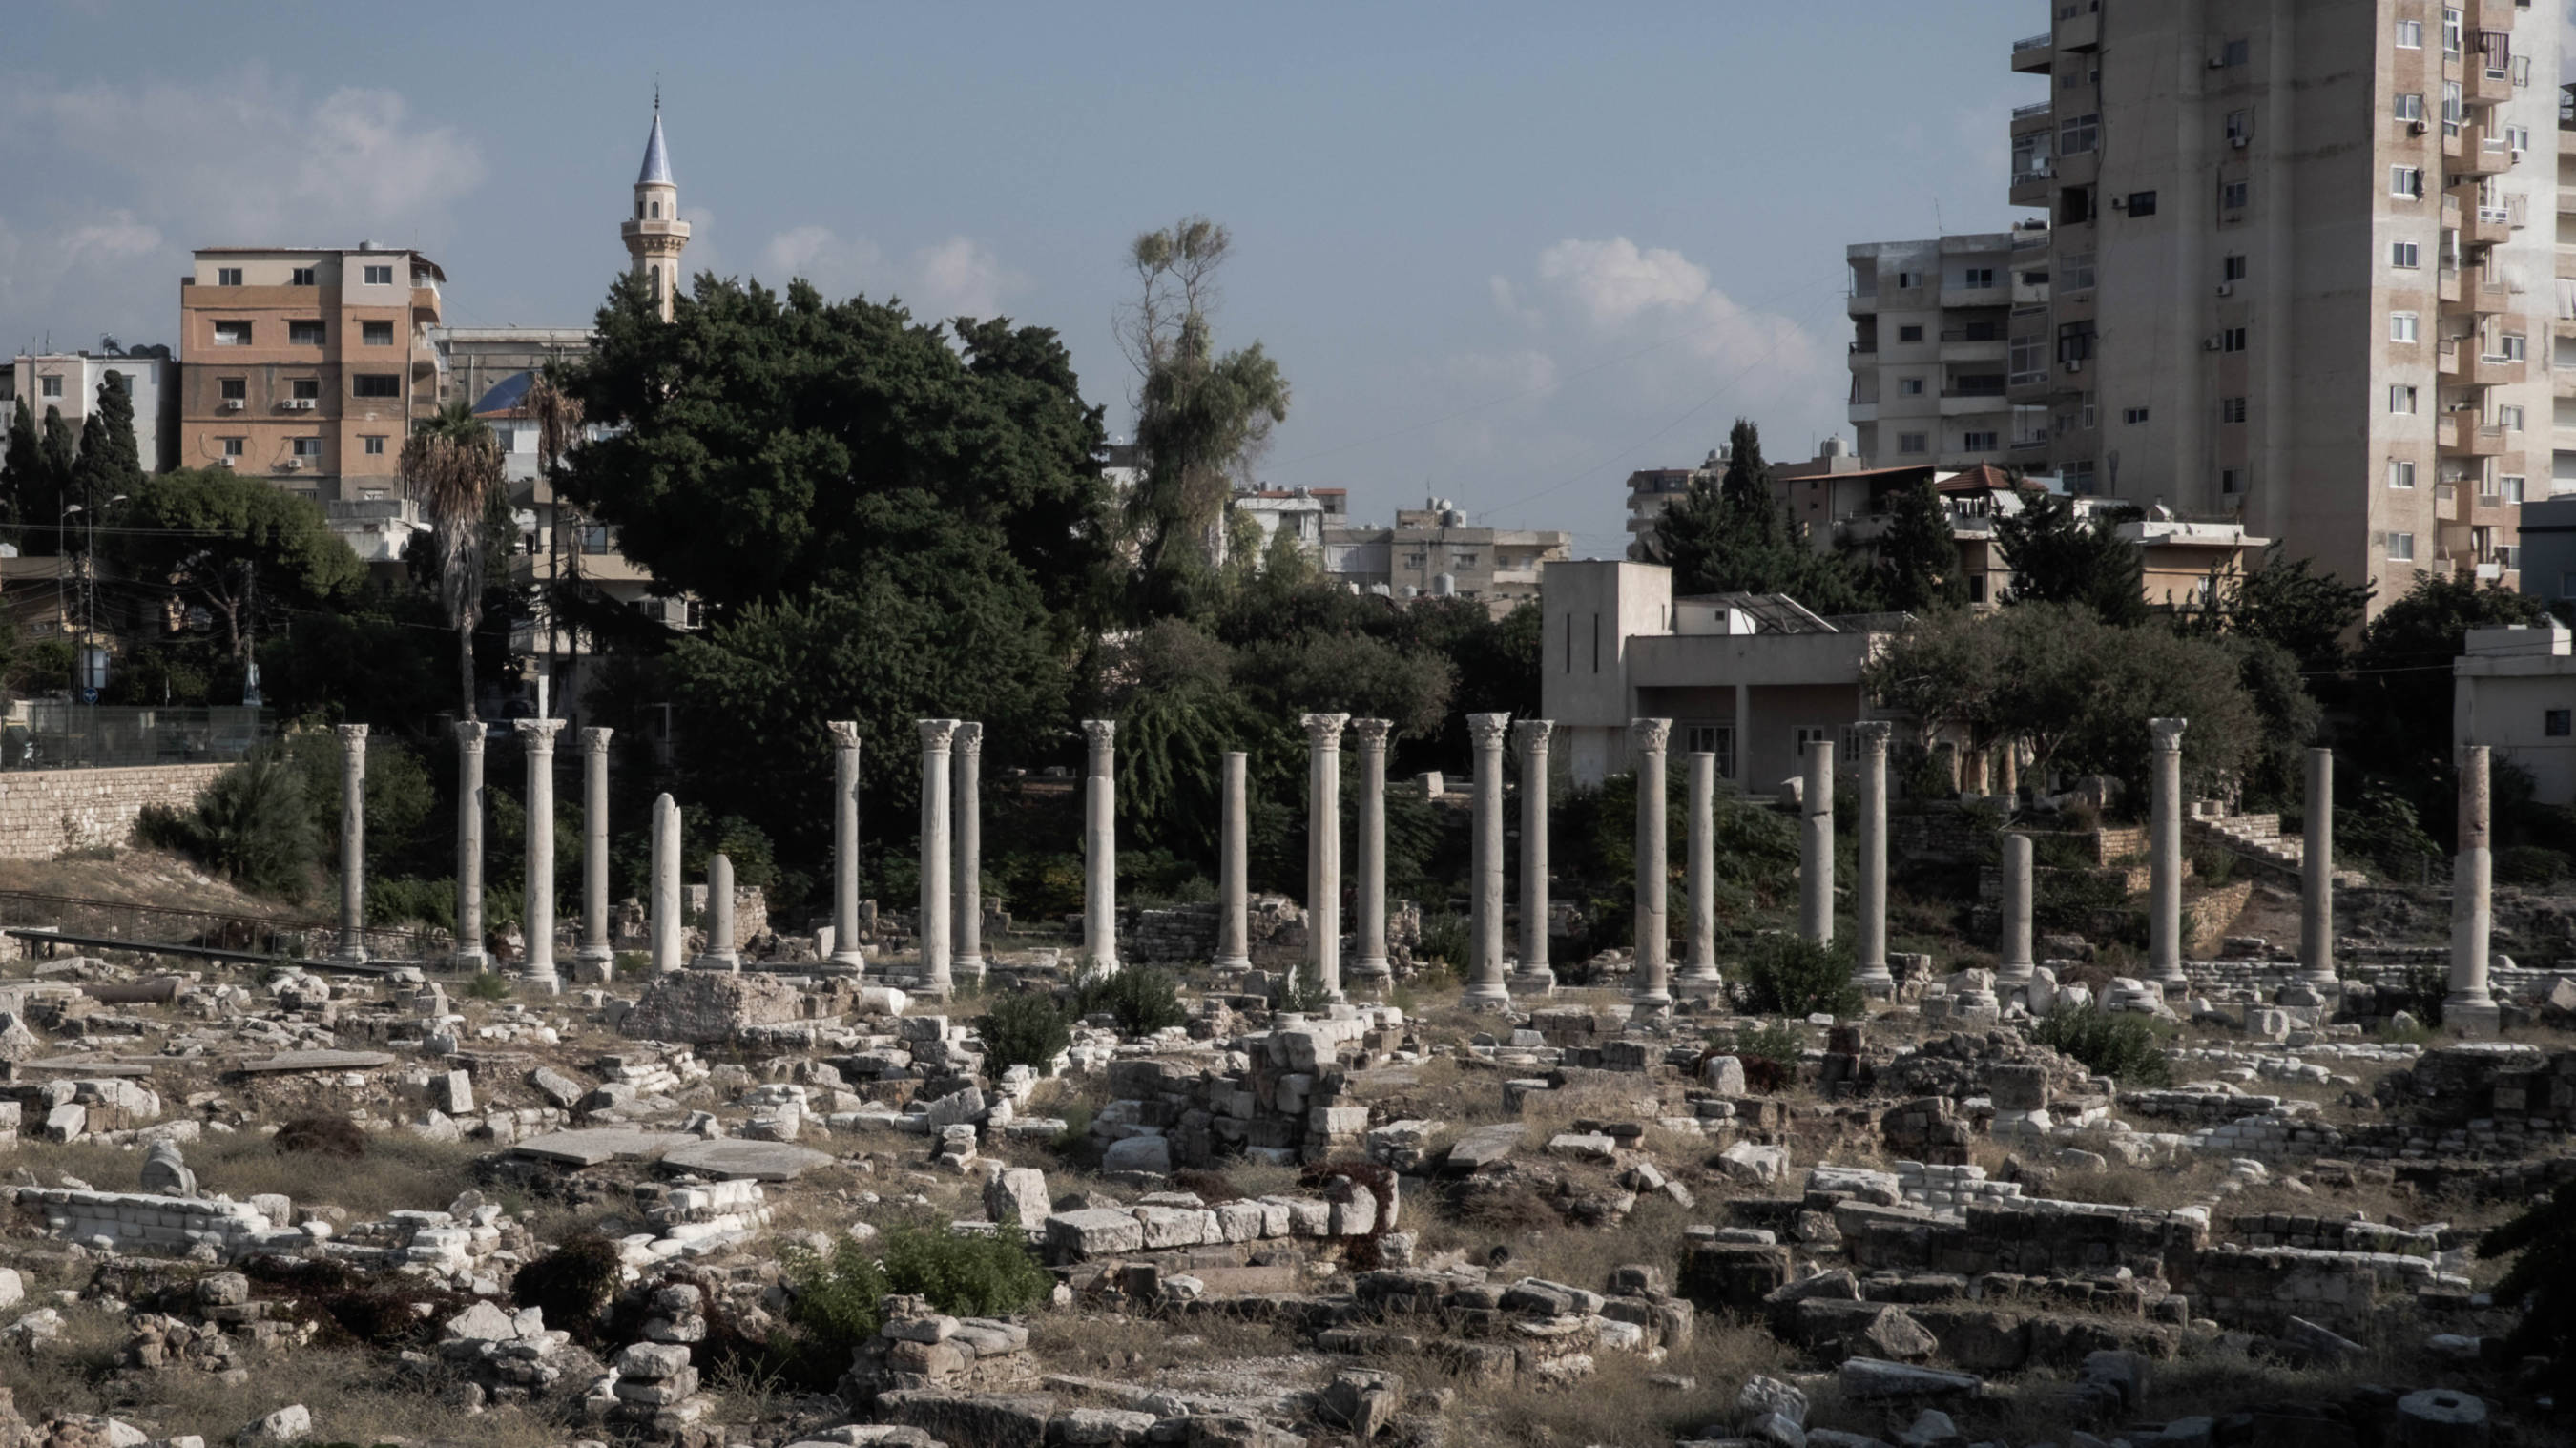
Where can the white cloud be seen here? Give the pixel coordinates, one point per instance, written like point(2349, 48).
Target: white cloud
point(957, 276)
point(1613, 281)
point(1619, 291)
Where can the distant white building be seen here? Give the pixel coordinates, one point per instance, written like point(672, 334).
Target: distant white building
point(2513, 689)
point(68, 382)
point(1301, 513)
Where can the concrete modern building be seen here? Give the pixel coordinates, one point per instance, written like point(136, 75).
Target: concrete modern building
point(655, 235)
point(1652, 490)
point(68, 382)
point(1930, 351)
point(1753, 679)
point(1431, 551)
point(307, 366)
point(474, 360)
point(1302, 513)
point(2296, 255)
point(2514, 690)
point(2549, 548)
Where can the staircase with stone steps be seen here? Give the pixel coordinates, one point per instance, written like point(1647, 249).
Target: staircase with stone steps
point(2257, 838)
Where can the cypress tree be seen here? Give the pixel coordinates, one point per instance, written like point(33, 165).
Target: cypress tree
point(59, 451)
point(1918, 561)
point(26, 460)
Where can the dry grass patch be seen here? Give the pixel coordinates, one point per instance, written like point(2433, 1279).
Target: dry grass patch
point(1626, 1400)
point(1127, 1348)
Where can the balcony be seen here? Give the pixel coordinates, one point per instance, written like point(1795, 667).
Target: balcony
point(2446, 359)
point(2027, 387)
point(2497, 371)
point(2035, 111)
point(2482, 153)
point(2562, 382)
point(2461, 433)
point(1957, 346)
point(2482, 84)
point(2033, 54)
point(2448, 288)
point(1861, 304)
point(2031, 188)
point(1968, 402)
point(1860, 412)
point(2479, 225)
point(2483, 289)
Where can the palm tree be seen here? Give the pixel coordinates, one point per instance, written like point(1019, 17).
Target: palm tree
point(558, 416)
point(452, 464)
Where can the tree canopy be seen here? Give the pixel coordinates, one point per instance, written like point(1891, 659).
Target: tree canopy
point(223, 540)
point(1734, 536)
point(2057, 556)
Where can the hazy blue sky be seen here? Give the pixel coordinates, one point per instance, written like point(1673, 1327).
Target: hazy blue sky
point(1505, 253)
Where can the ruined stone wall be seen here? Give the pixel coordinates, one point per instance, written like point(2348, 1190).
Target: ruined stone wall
point(48, 812)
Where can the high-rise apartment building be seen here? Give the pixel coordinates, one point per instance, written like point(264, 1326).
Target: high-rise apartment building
point(307, 366)
point(1930, 351)
point(2298, 254)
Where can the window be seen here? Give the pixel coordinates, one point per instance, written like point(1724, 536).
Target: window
point(2517, 138)
point(2232, 269)
point(2079, 273)
point(592, 538)
point(2028, 358)
point(2133, 415)
point(2509, 418)
point(2142, 203)
point(375, 384)
point(1978, 442)
point(307, 389)
point(1909, 334)
point(380, 276)
point(304, 334)
point(2410, 35)
point(1977, 278)
point(2401, 326)
point(2406, 182)
point(308, 447)
point(2401, 398)
point(228, 276)
point(2403, 255)
point(305, 276)
point(1909, 386)
point(232, 334)
point(1717, 739)
point(2074, 341)
point(1906, 280)
point(2232, 340)
point(2512, 485)
point(2232, 195)
point(233, 389)
point(375, 444)
point(2235, 52)
point(2231, 409)
point(2079, 478)
point(2240, 127)
point(2079, 134)
point(2401, 547)
point(376, 334)
point(2557, 723)
point(2084, 414)
point(1810, 734)
point(2410, 106)
point(2231, 480)
point(1417, 560)
point(1461, 558)
point(2487, 489)
point(51, 386)
point(233, 446)
point(2517, 347)
point(2401, 473)
point(2451, 27)
point(2074, 205)
point(1909, 442)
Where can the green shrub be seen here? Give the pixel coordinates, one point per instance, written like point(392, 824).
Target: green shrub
point(1790, 975)
point(2423, 990)
point(2542, 1280)
point(1143, 999)
point(2120, 1045)
point(1783, 1045)
point(321, 1135)
point(1304, 991)
point(572, 1283)
point(1444, 939)
point(251, 825)
point(486, 985)
point(837, 1295)
point(1023, 1029)
point(2532, 865)
point(2213, 866)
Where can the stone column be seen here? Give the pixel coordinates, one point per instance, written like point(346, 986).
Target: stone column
point(721, 952)
point(845, 845)
point(2164, 858)
point(595, 948)
point(353, 842)
point(2008, 770)
point(931, 922)
point(1869, 912)
point(1486, 988)
point(1535, 976)
point(470, 955)
point(1372, 969)
point(2470, 1009)
point(1816, 845)
point(2316, 878)
point(538, 735)
point(1324, 849)
point(2014, 965)
point(665, 923)
point(1653, 988)
point(966, 827)
point(1234, 895)
point(1100, 848)
point(1699, 977)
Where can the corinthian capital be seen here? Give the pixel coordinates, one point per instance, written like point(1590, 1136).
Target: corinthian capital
point(1871, 735)
point(2167, 734)
point(970, 738)
point(470, 734)
point(1324, 731)
point(595, 741)
point(538, 735)
point(1649, 734)
point(845, 733)
point(1101, 732)
point(1532, 734)
point(935, 734)
point(1373, 733)
point(1488, 730)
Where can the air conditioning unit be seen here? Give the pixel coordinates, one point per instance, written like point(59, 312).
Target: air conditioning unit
point(226, 462)
point(233, 404)
point(2416, 128)
point(2209, 344)
point(2240, 142)
point(2227, 289)
point(2217, 62)
point(2075, 364)
point(295, 465)
point(299, 404)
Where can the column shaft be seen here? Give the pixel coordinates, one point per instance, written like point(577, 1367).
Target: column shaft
point(2164, 903)
point(1234, 902)
point(595, 948)
point(845, 845)
point(1646, 741)
point(721, 952)
point(932, 920)
point(470, 955)
point(1816, 845)
point(966, 881)
point(1869, 912)
point(665, 924)
point(353, 841)
point(2014, 964)
point(1324, 849)
point(1372, 967)
point(1486, 988)
point(1100, 847)
point(2470, 1008)
point(538, 736)
point(1699, 975)
point(2316, 875)
point(1536, 976)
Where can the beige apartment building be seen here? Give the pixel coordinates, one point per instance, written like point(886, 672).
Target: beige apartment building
point(307, 366)
point(1433, 552)
point(1931, 329)
point(2297, 254)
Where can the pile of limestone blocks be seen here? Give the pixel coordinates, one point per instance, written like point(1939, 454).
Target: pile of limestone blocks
point(917, 1347)
point(1286, 1103)
point(925, 1056)
point(709, 1006)
point(470, 1245)
point(1192, 1247)
point(1496, 1333)
point(140, 1224)
point(68, 1110)
point(2517, 1091)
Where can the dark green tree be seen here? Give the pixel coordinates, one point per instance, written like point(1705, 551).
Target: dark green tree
point(1734, 536)
point(59, 451)
point(2542, 1280)
point(228, 542)
point(2283, 602)
point(109, 462)
point(2402, 671)
point(2057, 556)
point(1917, 562)
point(25, 463)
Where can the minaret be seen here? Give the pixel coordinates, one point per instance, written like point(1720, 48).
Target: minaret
point(655, 234)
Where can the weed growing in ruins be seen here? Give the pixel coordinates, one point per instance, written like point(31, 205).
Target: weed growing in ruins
point(486, 985)
point(317, 1135)
point(968, 1274)
point(838, 1296)
point(1789, 975)
point(2422, 991)
point(571, 1284)
point(1142, 999)
point(2543, 1280)
point(1024, 1029)
point(1444, 939)
point(1304, 991)
point(2115, 1044)
point(251, 824)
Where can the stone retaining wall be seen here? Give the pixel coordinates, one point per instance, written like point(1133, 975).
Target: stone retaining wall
point(48, 812)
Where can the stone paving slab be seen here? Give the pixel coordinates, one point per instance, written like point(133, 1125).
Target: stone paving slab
point(318, 1061)
point(88, 1066)
point(761, 1161)
point(593, 1145)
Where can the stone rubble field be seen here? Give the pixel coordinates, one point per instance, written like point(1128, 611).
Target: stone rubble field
point(762, 1208)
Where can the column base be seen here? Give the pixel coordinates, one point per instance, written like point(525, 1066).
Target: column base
point(1231, 962)
point(1372, 971)
point(2475, 1015)
point(726, 960)
point(850, 959)
point(1699, 982)
point(473, 962)
point(2020, 973)
point(969, 966)
point(2172, 979)
point(1650, 1004)
point(586, 971)
point(1487, 996)
point(544, 982)
point(596, 954)
point(1537, 980)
